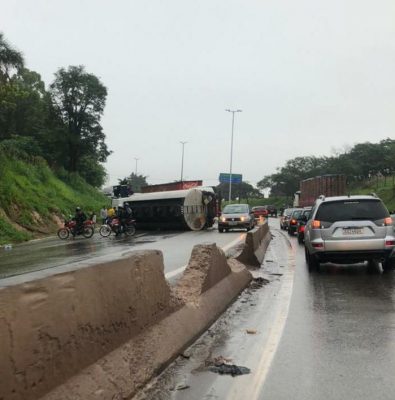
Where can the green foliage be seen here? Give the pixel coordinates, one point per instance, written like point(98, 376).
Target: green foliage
point(239, 190)
point(78, 99)
point(357, 164)
point(10, 59)
point(29, 189)
point(136, 182)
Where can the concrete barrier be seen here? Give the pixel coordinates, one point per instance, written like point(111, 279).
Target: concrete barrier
point(207, 287)
point(103, 331)
point(255, 246)
point(52, 328)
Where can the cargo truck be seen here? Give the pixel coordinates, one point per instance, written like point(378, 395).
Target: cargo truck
point(312, 188)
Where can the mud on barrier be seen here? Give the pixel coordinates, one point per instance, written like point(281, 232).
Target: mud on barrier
point(255, 246)
point(101, 332)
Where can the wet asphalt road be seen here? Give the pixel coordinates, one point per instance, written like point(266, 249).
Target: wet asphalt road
point(327, 335)
point(47, 254)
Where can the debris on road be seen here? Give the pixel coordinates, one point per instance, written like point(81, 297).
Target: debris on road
point(182, 386)
point(257, 283)
point(273, 273)
point(221, 365)
point(229, 369)
point(251, 331)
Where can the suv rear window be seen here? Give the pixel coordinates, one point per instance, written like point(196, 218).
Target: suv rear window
point(349, 210)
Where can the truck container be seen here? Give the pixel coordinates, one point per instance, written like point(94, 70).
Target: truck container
point(164, 187)
point(312, 188)
point(192, 209)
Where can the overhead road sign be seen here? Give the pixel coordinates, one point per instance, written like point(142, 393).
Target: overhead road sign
point(225, 178)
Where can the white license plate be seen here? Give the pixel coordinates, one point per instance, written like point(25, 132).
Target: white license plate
point(232, 223)
point(352, 231)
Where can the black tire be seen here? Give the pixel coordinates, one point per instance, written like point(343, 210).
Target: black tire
point(221, 230)
point(300, 239)
point(88, 232)
point(105, 230)
point(63, 233)
point(290, 233)
point(388, 265)
point(312, 261)
point(130, 230)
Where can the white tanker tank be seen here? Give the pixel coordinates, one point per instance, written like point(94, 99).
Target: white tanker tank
point(192, 209)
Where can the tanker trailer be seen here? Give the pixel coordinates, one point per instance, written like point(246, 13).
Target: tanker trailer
point(176, 209)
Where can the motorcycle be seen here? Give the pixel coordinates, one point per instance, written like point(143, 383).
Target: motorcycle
point(114, 225)
point(70, 227)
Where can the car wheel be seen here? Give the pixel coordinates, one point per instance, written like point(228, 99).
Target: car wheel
point(221, 230)
point(388, 265)
point(312, 261)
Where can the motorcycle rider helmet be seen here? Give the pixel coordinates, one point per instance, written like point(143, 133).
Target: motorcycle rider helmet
point(78, 209)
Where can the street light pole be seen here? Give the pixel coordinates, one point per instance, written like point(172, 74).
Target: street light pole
point(136, 165)
point(231, 151)
point(182, 160)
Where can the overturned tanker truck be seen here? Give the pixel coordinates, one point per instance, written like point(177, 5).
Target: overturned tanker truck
point(192, 209)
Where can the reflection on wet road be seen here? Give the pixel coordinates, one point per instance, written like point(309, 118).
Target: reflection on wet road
point(327, 335)
point(53, 252)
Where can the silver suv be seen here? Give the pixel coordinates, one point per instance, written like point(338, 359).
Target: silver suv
point(349, 229)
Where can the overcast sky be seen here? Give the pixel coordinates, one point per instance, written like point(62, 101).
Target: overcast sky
point(311, 76)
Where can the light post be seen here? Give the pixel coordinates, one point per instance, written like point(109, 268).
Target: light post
point(182, 160)
point(136, 165)
point(231, 151)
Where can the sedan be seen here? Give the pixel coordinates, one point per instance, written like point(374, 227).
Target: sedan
point(236, 216)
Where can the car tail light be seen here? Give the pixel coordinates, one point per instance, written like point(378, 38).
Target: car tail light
point(293, 222)
point(318, 245)
point(316, 224)
point(388, 221)
point(390, 242)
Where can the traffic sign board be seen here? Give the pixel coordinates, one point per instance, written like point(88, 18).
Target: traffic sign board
point(225, 178)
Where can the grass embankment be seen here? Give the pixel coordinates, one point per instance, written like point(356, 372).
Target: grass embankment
point(383, 187)
point(33, 200)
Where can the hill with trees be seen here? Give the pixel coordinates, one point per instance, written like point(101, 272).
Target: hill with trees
point(52, 146)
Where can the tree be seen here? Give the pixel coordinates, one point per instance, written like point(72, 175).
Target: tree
point(241, 190)
point(10, 59)
point(78, 99)
point(135, 182)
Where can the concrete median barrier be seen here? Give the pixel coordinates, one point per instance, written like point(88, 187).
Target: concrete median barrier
point(255, 246)
point(101, 332)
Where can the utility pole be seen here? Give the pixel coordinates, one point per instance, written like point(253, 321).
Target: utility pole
point(182, 160)
point(231, 151)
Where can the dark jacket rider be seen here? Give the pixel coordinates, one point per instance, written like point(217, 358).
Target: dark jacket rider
point(79, 218)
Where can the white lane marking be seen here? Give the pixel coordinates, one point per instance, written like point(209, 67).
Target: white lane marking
point(178, 271)
point(254, 388)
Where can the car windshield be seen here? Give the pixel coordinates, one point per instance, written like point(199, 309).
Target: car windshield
point(297, 213)
point(235, 209)
point(349, 210)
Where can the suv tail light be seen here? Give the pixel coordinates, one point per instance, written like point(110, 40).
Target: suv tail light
point(293, 221)
point(316, 224)
point(390, 242)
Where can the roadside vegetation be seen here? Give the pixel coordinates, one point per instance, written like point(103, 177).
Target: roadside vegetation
point(34, 201)
point(52, 146)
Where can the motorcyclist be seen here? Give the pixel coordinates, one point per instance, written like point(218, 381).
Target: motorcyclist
point(79, 218)
point(124, 215)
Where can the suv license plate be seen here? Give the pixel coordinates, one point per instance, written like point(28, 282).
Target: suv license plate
point(232, 223)
point(352, 231)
